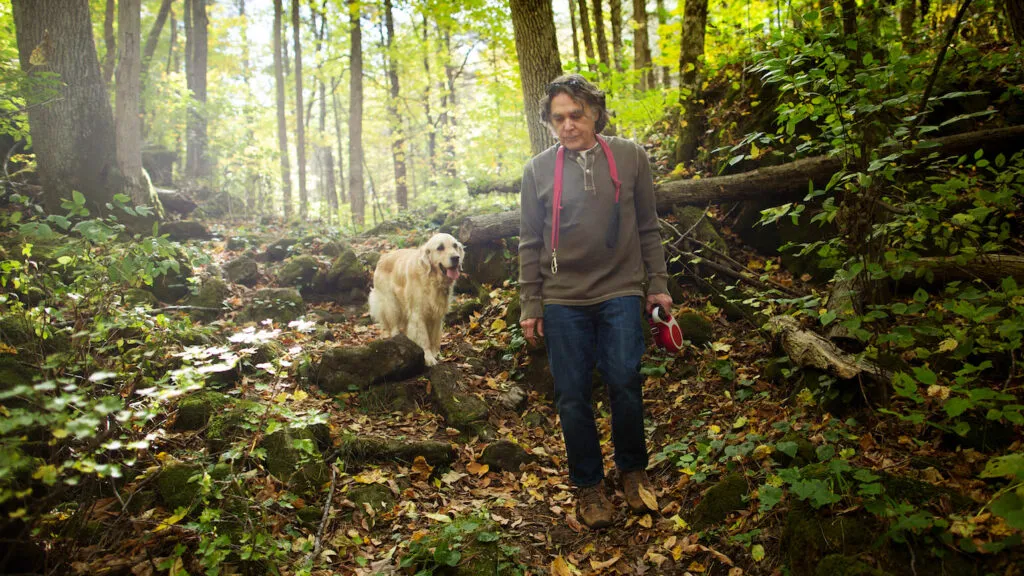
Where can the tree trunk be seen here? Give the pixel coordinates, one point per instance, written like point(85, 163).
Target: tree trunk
point(329, 188)
point(1015, 15)
point(172, 61)
point(431, 123)
point(666, 72)
point(341, 150)
point(907, 8)
point(642, 46)
point(588, 40)
point(448, 121)
point(197, 164)
point(849, 17)
point(602, 41)
point(73, 134)
point(300, 128)
point(127, 124)
point(691, 121)
point(774, 184)
point(110, 42)
point(575, 36)
point(154, 34)
point(615, 6)
point(537, 47)
point(282, 120)
point(395, 115)
point(355, 119)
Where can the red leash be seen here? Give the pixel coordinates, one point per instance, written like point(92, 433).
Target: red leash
point(556, 205)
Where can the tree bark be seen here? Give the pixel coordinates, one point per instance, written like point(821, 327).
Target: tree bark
point(588, 40)
point(775, 184)
point(154, 34)
point(72, 134)
point(849, 17)
point(642, 46)
point(615, 8)
point(431, 123)
point(691, 121)
point(282, 120)
point(395, 115)
point(907, 8)
point(537, 47)
point(109, 41)
point(448, 103)
point(197, 164)
point(127, 123)
point(602, 42)
point(341, 150)
point(355, 119)
point(575, 36)
point(172, 61)
point(809, 350)
point(329, 190)
point(1015, 15)
point(300, 128)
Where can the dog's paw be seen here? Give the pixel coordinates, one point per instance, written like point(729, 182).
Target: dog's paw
point(430, 359)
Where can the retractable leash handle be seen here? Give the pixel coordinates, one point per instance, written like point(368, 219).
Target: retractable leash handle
point(666, 330)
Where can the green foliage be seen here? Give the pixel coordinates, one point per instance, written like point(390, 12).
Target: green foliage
point(473, 540)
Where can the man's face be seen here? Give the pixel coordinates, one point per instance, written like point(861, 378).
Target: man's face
point(573, 123)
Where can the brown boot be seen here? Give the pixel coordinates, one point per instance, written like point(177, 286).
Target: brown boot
point(631, 483)
point(593, 508)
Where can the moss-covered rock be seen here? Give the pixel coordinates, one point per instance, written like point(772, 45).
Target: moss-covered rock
point(281, 305)
point(174, 483)
point(298, 271)
point(19, 332)
point(389, 397)
point(377, 496)
point(505, 455)
point(535, 419)
point(235, 424)
point(808, 537)
point(347, 368)
point(462, 312)
point(243, 270)
point(184, 230)
point(719, 501)
point(294, 458)
point(459, 408)
point(279, 249)
point(469, 542)
point(210, 299)
point(195, 410)
point(355, 450)
point(173, 284)
point(346, 280)
point(804, 451)
point(139, 297)
point(537, 374)
point(984, 435)
point(696, 328)
point(486, 263)
point(237, 243)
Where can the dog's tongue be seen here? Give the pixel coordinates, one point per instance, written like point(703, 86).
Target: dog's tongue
point(452, 273)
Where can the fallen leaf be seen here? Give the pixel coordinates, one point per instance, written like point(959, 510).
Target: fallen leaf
point(559, 567)
point(696, 567)
point(646, 521)
point(438, 517)
point(606, 564)
point(421, 468)
point(171, 520)
point(757, 552)
point(451, 477)
point(477, 468)
point(650, 500)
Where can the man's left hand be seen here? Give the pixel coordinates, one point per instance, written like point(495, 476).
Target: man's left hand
point(663, 300)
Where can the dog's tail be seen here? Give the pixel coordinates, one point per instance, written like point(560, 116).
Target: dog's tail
point(374, 303)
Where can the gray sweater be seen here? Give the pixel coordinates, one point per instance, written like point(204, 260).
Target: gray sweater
point(588, 271)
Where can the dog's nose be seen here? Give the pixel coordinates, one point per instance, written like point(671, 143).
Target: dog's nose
point(455, 261)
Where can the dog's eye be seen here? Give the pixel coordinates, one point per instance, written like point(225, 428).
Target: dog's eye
point(440, 247)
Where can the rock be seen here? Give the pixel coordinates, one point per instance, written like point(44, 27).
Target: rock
point(212, 294)
point(535, 419)
point(355, 450)
point(174, 487)
point(809, 536)
point(474, 539)
point(389, 397)
point(376, 496)
point(19, 332)
point(459, 408)
point(460, 313)
point(281, 305)
point(804, 451)
point(310, 516)
point(839, 565)
point(243, 270)
point(235, 424)
point(347, 368)
point(486, 264)
point(505, 455)
point(697, 329)
point(184, 230)
point(195, 410)
point(298, 271)
point(139, 297)
point(719, 501)
point(346, 280)
point(237, 243)
point(513, 399)
point(279, 250)
point(172, 285)
point(537, 375)
point(294, 458)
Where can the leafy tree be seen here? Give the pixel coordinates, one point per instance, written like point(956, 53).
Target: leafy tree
point(539, 63)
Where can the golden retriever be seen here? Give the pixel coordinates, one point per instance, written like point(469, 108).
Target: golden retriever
point(412, 288)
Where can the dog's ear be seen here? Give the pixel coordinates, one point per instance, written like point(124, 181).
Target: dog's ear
point(462, 254)
point(424, 259)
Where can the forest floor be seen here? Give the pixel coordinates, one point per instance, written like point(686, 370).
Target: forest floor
point(712, 412)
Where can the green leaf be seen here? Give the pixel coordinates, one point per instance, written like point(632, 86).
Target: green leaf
point(446, 557)
point(77, 198)
point(925, 376)
point(487, 537)
point(957, 406)
point(769, 496)
point(1009, 466)
point(757, 552)
point(1010, 507)
point(787, 448)
point(825, 452)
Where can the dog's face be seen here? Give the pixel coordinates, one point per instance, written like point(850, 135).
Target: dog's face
point(444, 255)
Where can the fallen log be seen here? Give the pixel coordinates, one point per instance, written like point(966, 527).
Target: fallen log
point(809, 350)
point(488, 187)
point(176, 201)
point(988, 267)
point(782, 183)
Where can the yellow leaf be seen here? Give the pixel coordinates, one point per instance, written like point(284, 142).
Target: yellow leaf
point(439, 517)
point(757, 552)
point(178, 567)
point(559, 567)
point(754, 150)
point(696, 567)
point(650, 500)
point(7, 349)
point(477, 468)
point(171, 520)
point(646, 521)
point(19, 513)
point(714, 429)
point(498, 325)
point(421, 468)
point(679, 522)
point(280, 398)
point(375, 476)
point(948, 345)
point(598, 566)
point(740, 422)
point(299, 395)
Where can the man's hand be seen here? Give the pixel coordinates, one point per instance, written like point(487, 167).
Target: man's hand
point(532, 328)
point(663, 300)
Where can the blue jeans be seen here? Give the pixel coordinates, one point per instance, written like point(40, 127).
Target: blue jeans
point(610, 335)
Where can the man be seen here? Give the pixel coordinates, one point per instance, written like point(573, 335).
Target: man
point(581, 273)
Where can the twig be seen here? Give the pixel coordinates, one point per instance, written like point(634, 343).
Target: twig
point(319, 545)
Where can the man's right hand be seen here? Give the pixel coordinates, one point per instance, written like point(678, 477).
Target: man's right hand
point(532, 328)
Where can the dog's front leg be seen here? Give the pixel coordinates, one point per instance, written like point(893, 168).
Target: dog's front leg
point(420, 334)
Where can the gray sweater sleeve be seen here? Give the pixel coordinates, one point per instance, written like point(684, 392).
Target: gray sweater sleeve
point(647, 223)
point(531, 243)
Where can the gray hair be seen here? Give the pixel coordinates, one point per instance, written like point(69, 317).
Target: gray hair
point(581, 91)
